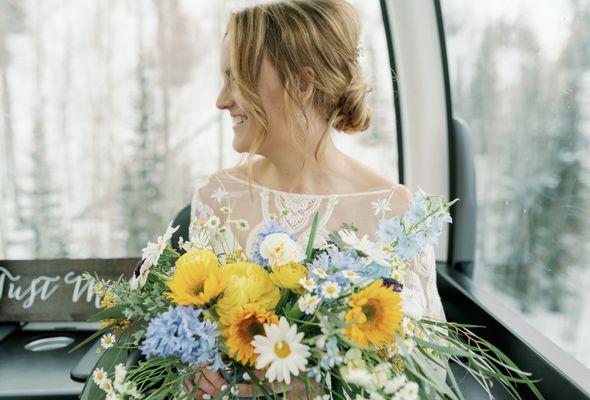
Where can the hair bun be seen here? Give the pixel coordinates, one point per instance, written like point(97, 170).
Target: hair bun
point(353, 114)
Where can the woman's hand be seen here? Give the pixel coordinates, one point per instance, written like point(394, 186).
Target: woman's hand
point(295, 390)
point(210, 383)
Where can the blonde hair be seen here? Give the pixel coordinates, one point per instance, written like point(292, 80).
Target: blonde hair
point(323, 35)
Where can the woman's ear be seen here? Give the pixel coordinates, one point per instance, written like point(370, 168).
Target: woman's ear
point(306, 86)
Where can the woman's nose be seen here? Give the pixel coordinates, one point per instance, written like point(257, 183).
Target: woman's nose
point(224, 100)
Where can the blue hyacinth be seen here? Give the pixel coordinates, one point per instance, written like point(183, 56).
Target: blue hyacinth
point(180, 332)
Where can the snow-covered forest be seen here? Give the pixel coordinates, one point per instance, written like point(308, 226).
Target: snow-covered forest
point(520, 74)
point(109, 118)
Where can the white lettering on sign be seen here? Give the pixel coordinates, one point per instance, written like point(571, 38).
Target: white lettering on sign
point(79, 289)
point(43, 287)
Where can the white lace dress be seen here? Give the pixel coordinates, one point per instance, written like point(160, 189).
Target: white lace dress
point(363, 209)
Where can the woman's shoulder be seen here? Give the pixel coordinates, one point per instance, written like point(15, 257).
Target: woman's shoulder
point(369, 179)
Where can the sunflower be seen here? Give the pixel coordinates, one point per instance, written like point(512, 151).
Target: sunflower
point(375, 315)
point(241, 326)
point(247, 283)
point(197, 279)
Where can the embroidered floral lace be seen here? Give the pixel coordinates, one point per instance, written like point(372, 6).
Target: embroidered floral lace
point(363, 209)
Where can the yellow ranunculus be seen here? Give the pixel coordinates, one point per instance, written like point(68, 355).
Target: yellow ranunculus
point(288, 276)
point(197, 279)
point(247, 283)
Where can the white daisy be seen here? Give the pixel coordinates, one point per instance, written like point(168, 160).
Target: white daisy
point(307, 283)
point(99, 376)
point(352, 275)
point(152, 252)
point(330, 290)
point(308, 303)
point(381, 205)
point(281, 348)
point(219, 194)
point(373, 250)
point(107, 386)
point(107, 340)
point(213, 222)
point(242, 224)
point(408, 326)
point(111, 395)
point(408, 345)
point(320, 273)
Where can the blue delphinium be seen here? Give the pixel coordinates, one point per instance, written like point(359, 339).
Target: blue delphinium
point(332, 357)
point(390, 229)
point(334, 263)
point(271, 226)
point(180, 332)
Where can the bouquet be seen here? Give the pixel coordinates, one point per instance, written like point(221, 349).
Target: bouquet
point(334, 315)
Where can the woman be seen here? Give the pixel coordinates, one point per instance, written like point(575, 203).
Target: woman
point(291, 76)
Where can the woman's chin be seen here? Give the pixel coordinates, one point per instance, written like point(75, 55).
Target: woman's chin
point(240, 145)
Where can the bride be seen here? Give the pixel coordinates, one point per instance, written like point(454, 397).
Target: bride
point(291, 76)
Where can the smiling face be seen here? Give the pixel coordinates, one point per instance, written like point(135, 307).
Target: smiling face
point(245, 126)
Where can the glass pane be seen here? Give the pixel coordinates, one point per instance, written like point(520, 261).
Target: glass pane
point(520, 74)
point(109, 118)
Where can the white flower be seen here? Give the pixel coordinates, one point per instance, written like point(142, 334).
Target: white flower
point(213, 222)
point(408, 345)
point(381, 205)
point(320, 273)
point(199, 239)
point(111, 395)
point(107, 386)
point(133, 392)
point(307, 283)
point(358, 376)
point(151, 253)
point(351, 275)
point(408, 326)
point(412, 303)
point(107, 340)
point(280, 249)
point(330, 290)
point(373, 250)
point(322, 397)
point(242, 224)
point(395, 384)
point(376, 396)
point(219, 194)
point(381, 374)
point(119, 383)
point(410, 391)
point(281, 347)
point(308, 303)
point(99, 376)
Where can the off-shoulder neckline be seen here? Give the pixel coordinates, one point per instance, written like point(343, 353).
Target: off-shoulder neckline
point(254, 184)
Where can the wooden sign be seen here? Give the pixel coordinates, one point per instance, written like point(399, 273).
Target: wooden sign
point(54, 290)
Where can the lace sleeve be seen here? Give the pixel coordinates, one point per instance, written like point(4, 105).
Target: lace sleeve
point(421, 279)
point(199, 209)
